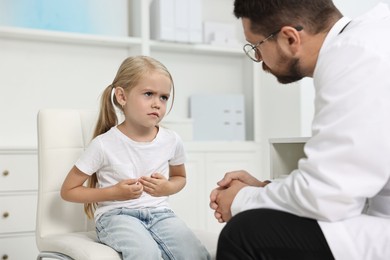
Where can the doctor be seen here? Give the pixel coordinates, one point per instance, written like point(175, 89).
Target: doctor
point(336, 205)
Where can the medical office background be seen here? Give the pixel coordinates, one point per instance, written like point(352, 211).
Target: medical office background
point(62, 54)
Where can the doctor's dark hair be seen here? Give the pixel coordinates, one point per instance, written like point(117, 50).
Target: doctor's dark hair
point(268, 16)
point(129, 74)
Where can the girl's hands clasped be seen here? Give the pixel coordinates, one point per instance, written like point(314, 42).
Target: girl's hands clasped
point(128, 189)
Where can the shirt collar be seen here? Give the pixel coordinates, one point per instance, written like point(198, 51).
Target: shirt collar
point(336, 29)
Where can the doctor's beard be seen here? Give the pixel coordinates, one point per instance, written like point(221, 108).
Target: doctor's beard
point(294, 74)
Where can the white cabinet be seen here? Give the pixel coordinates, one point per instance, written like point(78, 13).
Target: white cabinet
point(206, 165)
point(18, 202)
point(190, 203)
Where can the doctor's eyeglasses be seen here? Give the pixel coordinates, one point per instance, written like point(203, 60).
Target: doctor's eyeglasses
point(252, 50)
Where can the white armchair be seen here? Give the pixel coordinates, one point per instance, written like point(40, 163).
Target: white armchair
point(62, 230)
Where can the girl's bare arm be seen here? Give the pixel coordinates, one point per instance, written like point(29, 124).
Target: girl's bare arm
point(73, 189)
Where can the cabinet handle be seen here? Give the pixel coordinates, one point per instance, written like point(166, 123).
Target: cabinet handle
point(5, 257)
point(5, 173)
point(5, 215)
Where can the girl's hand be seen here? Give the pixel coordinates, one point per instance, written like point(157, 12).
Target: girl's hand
point(73, 189)
point(127, 189)
point(156, 185)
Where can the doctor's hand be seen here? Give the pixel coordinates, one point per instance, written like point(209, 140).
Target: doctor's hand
point(221, 200)
point(242, 176)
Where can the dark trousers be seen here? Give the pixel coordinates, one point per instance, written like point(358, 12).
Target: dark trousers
point(272, 235)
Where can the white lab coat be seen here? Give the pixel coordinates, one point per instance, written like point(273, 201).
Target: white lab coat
point(348, 156)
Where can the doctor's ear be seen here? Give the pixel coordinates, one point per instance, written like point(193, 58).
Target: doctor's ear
point(120, 96)
point(291, 37)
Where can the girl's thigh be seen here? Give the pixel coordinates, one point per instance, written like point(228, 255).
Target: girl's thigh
point(175, 239)
point(127, 235)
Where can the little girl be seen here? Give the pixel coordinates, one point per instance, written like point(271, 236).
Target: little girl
point(133, 167)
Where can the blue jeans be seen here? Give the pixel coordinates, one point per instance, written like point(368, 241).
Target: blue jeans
point(149, 234)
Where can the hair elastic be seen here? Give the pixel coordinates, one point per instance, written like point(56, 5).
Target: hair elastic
point(118, 111)
point(112, 95)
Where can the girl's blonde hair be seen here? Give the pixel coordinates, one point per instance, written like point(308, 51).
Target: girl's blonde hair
point(130, 72)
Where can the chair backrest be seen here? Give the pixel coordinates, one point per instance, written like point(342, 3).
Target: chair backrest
point(62, 137)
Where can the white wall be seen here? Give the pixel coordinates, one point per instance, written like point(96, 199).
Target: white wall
point(41, 74)
point(73, 16)
point(36, 75)
point(353, 8)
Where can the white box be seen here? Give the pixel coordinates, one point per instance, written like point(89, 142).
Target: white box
point(218, 117)
point(218, 33)
point(176, 20)
point(195, 25)
point(162, 20)
point(182, 21)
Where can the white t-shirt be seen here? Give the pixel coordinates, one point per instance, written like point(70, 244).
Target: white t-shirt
point(115, 157)
point(348, 156)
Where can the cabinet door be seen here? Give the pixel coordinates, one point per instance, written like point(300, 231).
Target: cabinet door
point(217, 165)
point(189, 202)
point(18, 213)
point(18, 172)
point(18, 247)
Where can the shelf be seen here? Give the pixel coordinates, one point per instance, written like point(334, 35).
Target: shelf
point(196, 48)
point(288, 140)
point(18, 150)
point(67, 37)
point(112, 41)
point(285, 154)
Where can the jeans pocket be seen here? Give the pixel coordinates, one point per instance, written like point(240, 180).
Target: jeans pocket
point(98, 225)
